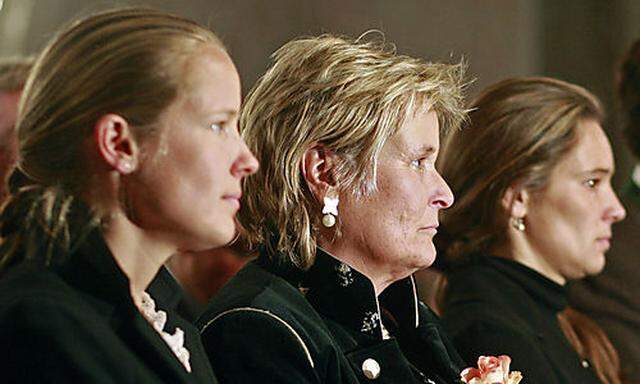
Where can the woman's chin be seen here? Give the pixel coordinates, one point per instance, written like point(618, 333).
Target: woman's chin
point(426, 260)
point(597, 265)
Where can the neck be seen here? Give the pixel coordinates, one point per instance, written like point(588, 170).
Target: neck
point(520, 250)
point(379, 276)
point(139, 255)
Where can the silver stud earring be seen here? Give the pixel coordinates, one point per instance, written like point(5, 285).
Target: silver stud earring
point(518, 223)
point(126, 167)
point(330, 211)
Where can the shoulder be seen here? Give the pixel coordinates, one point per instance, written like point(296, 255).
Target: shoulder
point(484, 309)
point(478, 281)
point(36, 302)
point(254, 325)
point(490, 338)
point(45, 326)
point(258, 291)
point(260, 321)
point(480, 291)
point(32, 287)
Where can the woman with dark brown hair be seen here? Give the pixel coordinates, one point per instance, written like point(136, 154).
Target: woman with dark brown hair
point(534, 209)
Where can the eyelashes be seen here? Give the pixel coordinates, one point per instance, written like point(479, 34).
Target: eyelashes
point(218, 127)
point(592, 183)
point(421, 164)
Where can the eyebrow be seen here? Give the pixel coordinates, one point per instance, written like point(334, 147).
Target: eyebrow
point(228, 112)
point(424, 150)
point(598, 171)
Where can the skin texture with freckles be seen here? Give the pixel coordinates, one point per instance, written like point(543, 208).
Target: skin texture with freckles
point(568, 224)
point(389, 235)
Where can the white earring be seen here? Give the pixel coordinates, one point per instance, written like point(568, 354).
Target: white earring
point(330, 211)
point(126, 167)
point(518, 223)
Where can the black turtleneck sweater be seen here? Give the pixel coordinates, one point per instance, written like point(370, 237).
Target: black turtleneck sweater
point(495, 306)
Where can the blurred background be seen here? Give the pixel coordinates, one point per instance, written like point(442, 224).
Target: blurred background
point(576, 40)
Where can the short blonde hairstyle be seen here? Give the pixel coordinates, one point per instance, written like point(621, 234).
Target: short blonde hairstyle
point(14, 72)
point(351, 97)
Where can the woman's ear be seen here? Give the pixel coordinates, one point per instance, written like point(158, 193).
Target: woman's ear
point(515, 202)
point(116, 143)
point(318, 165)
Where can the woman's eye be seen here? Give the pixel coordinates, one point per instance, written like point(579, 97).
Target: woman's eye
point(420, 164)
point(218, 127)
point(591, 183)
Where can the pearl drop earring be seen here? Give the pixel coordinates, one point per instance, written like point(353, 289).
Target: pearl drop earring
point(518, 223)
point(330, 211)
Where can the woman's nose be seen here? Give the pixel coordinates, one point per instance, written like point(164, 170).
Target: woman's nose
point(246, 164)
point(443, 196)
point(616, 212)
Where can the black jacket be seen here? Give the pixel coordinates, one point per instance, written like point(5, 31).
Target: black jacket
point(324, 326)
point(495, 306)
point(169, 295)
point(77, 323)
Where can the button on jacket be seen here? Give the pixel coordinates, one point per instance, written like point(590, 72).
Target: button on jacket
point(495, 306)
point(271, 324)
point(77, 323)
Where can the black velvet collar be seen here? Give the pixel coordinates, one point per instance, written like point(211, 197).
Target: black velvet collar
point(541, 288)
point(346, 296)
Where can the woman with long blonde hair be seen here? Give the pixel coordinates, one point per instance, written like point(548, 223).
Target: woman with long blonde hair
point(128, 153)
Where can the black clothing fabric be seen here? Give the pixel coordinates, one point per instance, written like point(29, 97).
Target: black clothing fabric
point(76, 322)
point(278, 325)
point(169, 295)
point(612, 298)
point(494, 306)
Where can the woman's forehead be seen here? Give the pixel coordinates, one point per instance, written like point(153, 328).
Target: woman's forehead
point(419, 133)
point(591, 152)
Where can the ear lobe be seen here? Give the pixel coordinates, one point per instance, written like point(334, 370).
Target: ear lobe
point(515, 201)
point(317, 169)
point(116, 144)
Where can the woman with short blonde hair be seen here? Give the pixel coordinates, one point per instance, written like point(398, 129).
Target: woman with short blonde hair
point(343, 212)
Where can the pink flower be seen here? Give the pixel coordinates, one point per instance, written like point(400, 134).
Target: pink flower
point(491, 370)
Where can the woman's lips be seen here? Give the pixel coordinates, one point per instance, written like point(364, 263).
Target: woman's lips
point(604, 242)
point(234, 200)
point(431, 229)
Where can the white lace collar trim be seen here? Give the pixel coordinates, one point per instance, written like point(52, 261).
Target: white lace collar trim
point(158, 319)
